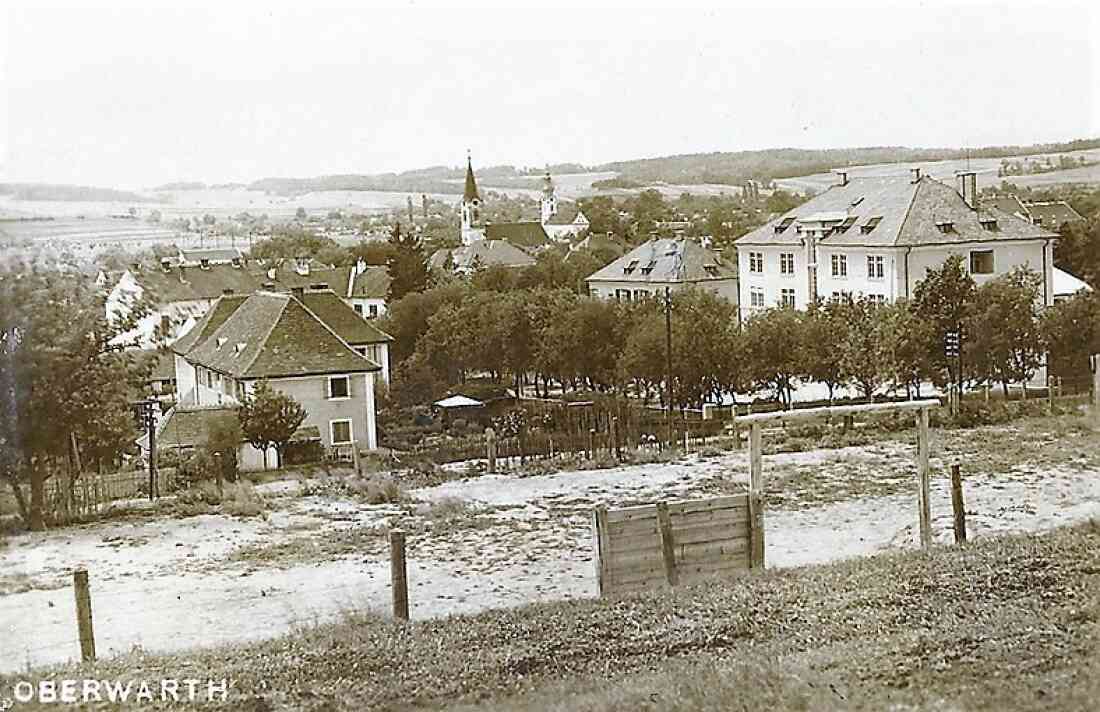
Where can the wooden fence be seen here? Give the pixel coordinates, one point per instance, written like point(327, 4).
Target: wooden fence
point(674, 543)
point(67, 499)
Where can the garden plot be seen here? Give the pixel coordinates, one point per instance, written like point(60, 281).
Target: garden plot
point(494, 541)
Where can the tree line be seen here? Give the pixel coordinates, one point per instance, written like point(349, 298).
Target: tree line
point(551, 339)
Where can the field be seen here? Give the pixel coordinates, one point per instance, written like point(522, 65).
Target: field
point(986, 169)
point(163, 581)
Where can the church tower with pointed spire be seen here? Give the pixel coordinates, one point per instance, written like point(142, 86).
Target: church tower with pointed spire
point(471, 207)
point(549, 203)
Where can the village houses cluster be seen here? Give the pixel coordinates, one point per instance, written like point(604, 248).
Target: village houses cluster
point(308, 329)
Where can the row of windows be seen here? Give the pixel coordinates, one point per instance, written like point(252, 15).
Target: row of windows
point(876, 264)
point(787, 297)
point(372, 310)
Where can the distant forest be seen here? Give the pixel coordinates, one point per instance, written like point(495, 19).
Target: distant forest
point(70, 193)
point(734, 168)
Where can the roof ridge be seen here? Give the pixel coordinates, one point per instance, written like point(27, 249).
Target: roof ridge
point(908, 210)
point(274, 322)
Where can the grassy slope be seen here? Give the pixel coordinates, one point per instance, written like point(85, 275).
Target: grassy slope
point(1003, 624)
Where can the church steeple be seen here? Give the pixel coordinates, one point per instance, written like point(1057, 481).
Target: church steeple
point(471, 206)
point(549, 203)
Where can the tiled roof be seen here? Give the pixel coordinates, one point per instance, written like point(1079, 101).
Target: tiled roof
point(485, 253)
point(1007, 203)
point(163, 364)
point(191, 427)
point(272, 335)
point(1053, 214)
point(342, 319)
point(899, 212)
point(372, 283)
point(189, 284)
point(285, 275)
point(213, 254)
point(209, 323)
point(520, 234)
point(666, 260)
point(567, 213)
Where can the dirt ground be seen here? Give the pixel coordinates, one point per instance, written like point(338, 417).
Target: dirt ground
point(170, 583)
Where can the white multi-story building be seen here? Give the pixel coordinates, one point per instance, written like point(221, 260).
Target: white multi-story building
point(878, 237)
point(675, 263)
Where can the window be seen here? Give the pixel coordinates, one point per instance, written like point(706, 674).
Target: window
point(786, 297)
point(711, 270)
point(945, 226)
point(876, 266)
point(840, 265)
point(989, 224)
point(848, 222)
point(361, 350)
point(339, 387)
point(981, 261)
point(784, 224)
point(340, 430)
point(373, 311)
point(756, 262)
point(786, 263)
point(639, 294)
point(630, 267)
point(756, 297)
point(358, 309)
point(622, 295)
point(877, 299)
point(841, 296)
point(870, 225)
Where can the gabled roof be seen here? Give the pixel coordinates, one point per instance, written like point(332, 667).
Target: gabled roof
point(372, 283)
point(209, 323)
point(470, 191)
point(271, 335)
point(1007, 203)
point(191, 427)
point(520, 234)
point(342, 319)
point(567, 213)
point(1053, 214)
point(285, 274)
point(484, 253)
point(215, 255)
point(895, 211)
point(188, 284)
point(1066, 284)
point(665, 260)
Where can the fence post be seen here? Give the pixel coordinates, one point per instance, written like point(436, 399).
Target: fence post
point(591, 443)
point(84, 614)
point(599, 544)
point(957, 504)
point(1095, 359)
point(668, 551)
point(756, 498)
point(491, 450)
point(1050, 394)
point(756, 462)
point(923, 506)
point(398, 579)
point(615, 448)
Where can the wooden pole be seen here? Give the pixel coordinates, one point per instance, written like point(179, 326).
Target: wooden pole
point(668, 550)
point(615, 447)
point(923, 477)
point(600, 546)
point(957, 504)
point(756, 497)
point(591, 443)
point(398, 579)
point(1096, 384)
point(756, 461)
point(1050, 394)
point(491, 450)
point(84, 614)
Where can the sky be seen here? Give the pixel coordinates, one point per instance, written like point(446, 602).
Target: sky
point(135, 95)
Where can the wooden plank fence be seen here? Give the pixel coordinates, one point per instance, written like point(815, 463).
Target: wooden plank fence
point(87, 494)
point(674, 543)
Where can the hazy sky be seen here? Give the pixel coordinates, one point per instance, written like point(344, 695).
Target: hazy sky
point(134, 97)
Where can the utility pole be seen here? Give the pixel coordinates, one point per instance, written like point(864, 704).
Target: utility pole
point(668, 360)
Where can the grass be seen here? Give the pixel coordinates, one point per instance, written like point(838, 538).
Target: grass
point(1004, 624)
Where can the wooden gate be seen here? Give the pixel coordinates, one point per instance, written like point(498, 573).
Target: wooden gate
point(670, 543)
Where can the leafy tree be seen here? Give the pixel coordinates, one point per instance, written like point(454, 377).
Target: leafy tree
point(944, 299)
point(415, 382)
point(1078, 250)
point(407, 319)
point(773, 346)
point(1005, 341)
point(408, 265)
point(862, 349)
point(826, 331)
point(269, 418)
point(904, 351)
point(1071, 331)
point(65, 375)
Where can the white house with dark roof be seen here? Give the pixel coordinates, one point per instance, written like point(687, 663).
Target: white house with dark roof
point(282, 339)
point(663, 262)
point(367, 288)
point(878, 236)
point(481, 253)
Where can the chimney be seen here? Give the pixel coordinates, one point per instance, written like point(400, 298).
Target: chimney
point(843, 177)
point(319, 287)
point(298, 292)
point(166, 264)
point(182, 278)
point(227, 291)
point(301, 266)
point(135, 266)
point(968, 187)
point(204, 263)
point(360, 266)
point(916, 174)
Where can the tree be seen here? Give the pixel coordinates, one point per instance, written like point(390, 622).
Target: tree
point(944, 299)
point(1078, 250)
point(773, 345)
point(1005, 342)
point(300, 214)
point(408, 266)
point(269, 419)
point(65, 378)
point(905, 338)
point(1071, 331)
point(826, 331)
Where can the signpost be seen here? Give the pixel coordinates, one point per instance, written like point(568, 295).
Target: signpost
point(146, 419)
point(951, 351)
